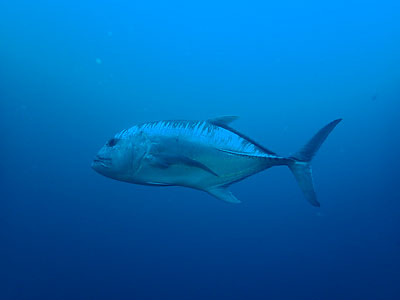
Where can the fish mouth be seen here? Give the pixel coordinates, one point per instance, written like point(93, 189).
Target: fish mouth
point(102, 161)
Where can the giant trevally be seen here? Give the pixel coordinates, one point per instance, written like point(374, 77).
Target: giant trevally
point(204, 155)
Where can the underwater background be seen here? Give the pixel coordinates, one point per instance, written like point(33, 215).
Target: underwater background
point(74, 73)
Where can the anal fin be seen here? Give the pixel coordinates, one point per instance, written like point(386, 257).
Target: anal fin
point(223, 194)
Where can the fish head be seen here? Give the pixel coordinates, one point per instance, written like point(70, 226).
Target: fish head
point(120, 157)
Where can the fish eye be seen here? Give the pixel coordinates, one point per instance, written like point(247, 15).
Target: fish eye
point(112, 142)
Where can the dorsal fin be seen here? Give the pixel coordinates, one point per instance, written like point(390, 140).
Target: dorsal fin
point(223, 121)
point(227, 127)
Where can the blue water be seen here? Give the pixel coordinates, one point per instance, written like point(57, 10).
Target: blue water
point(73, 73)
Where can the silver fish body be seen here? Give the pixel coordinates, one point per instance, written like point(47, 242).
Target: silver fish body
point(205, 155)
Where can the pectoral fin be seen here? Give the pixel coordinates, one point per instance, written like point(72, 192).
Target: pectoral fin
point(167, 160)
point(194, 163)
point(223, 194)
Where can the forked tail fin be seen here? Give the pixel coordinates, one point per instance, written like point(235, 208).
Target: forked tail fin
point(301, 165)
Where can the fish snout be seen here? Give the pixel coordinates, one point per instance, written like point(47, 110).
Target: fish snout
point(101, 161)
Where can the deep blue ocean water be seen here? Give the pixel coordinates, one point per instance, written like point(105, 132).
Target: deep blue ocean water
point(73, 73)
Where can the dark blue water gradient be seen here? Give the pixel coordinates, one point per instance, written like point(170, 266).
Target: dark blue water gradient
point(72, 74)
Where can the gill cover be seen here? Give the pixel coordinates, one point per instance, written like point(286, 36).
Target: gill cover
point(140, 148)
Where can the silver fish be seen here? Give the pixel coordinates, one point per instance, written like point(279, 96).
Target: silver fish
point(205, 155)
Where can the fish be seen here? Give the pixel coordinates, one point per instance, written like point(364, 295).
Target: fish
point(207, 155)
